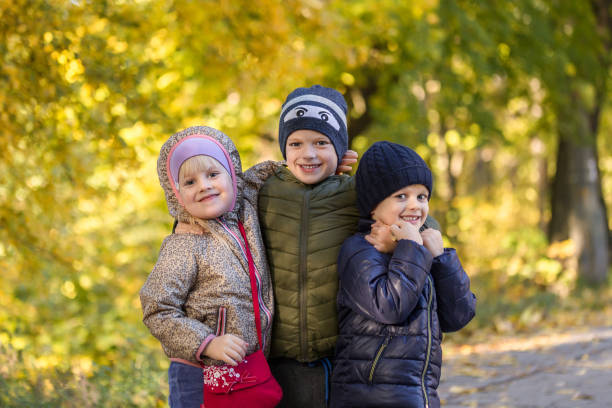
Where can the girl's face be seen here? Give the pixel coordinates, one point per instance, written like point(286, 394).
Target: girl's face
point(409, 204)
point(206, 190)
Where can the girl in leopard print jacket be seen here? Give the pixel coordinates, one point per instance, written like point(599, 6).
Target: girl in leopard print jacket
point(200, 171)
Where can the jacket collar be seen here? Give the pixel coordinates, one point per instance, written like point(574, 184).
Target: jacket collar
point(365, 225)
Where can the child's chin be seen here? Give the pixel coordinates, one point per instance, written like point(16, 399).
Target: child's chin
point(311, 179)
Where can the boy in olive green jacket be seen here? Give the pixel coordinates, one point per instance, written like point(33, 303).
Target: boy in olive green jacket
point(306, 212)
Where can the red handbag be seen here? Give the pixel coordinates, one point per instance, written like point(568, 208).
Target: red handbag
point(250, 383)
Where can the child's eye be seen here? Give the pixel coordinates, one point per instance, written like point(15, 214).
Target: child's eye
point(213, 174)
point(422, 197)
point(401, 196)
point(322, 143)
point(294, 144)
point(188, 182)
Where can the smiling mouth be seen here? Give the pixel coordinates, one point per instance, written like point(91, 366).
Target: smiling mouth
point(309, 167)
point(412, 218)
point(208, 197)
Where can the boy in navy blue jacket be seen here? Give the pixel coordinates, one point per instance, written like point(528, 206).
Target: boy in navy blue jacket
point(399, 289)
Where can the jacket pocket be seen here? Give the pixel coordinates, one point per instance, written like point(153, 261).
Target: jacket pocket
point(377, 358)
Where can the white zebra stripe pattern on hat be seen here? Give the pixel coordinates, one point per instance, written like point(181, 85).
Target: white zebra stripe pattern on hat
point(316, 98)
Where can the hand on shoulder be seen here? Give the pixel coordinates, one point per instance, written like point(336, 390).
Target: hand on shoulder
point(346, 165)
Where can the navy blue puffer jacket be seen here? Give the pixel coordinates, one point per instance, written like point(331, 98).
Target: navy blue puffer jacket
point(393, 309)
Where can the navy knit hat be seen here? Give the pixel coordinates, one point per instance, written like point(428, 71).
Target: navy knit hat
point(315, 108)
point(385, 168)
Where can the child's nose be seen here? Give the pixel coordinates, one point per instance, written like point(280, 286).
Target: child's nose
point(204, 183)
point(412, 203)
point(309, 151)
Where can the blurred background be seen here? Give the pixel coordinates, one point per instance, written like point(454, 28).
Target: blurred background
point(509, 101)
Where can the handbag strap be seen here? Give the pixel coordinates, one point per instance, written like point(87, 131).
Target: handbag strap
point(222, 310)
point(253, 284)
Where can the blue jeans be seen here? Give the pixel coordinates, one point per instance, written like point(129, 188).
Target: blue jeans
point(186, 386)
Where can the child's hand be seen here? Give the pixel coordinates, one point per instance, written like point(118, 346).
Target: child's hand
point(227, 348)
point(405, 230)
point(380, 237)
point(432, 240)
point(346, 165)
point(184, 228)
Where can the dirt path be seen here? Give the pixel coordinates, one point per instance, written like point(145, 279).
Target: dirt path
point(557, 370)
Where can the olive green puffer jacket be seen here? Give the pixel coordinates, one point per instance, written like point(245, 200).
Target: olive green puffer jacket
point(303, 228)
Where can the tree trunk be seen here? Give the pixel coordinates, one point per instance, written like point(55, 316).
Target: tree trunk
point(543, 189)
point(578, 207)
point(578, 212)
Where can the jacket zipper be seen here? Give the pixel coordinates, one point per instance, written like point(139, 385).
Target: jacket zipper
point(302, 289)
point(260, 290)
point(427, 356)
point(377, 357)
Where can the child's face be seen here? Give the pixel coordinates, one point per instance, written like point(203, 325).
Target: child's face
point(311, 156)
point(208, 192)
point(408, 204)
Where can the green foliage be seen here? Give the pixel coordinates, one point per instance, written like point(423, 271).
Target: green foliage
point(90, 90)
point(130, 384)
